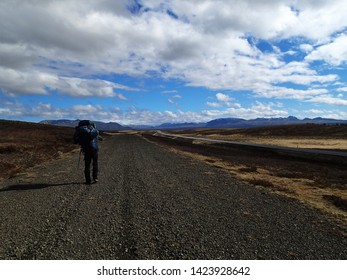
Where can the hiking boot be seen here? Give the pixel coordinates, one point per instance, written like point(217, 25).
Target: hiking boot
point(96, 180)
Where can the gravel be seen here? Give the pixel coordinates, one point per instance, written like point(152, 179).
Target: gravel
point(151, 203)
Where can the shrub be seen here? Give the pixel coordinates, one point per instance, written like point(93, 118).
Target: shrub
point(7, 149)
point(338, 201)
point(261, 182)
point(248, 169)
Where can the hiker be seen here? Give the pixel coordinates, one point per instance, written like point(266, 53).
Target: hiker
point(87, 136)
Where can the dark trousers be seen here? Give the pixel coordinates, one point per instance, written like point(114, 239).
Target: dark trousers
point(89, 156)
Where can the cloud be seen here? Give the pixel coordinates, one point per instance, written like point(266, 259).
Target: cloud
point(17, 82)
point(223, 17)
point(139, 116)
point(342, 89)
point(15, 56)
point(223, 97)
point(306, 48)
point(214, 104)
point(334, 53)
point(333, 114)
point(317, 20)
point(176, 96)
point(203, 47)
point(290, 93)
point(274, 19)
point(88, 88)
point(59, 47)
point(172, 100)
point(169, 91)
point(257, 110)
point(329, 99)
point(15, 110)
point(222, 101)
point(318, 95)
point(25, 82)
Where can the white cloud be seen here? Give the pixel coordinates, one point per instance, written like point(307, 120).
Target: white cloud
point(306, 48)
point(334, 53)
point(120, 96)
point(169, 91)
point(137, 116)
point(342, 89)
point(257, 110)
point(223, 100)
point(289, 93)
point(176, 96)
point(48, 46)
point(318, 19)
point(223, 97)
point(86, 88)
point(207, 49)
point(329, 99)
point(333, 114)
point(224, 17)
point(214, 104)
point(35, 82)
point(25, 82)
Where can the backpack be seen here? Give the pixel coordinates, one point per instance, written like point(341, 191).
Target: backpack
point(83, 123)
point(81, 135)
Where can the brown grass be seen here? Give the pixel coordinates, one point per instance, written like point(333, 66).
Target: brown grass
point(295, 136)
point(23, 145)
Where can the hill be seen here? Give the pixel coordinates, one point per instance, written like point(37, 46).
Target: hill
point(99, 125)
point(217, 123)
point(243, 123)
point(25, 144)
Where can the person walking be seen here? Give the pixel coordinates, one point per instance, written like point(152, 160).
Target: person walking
point(87, 136)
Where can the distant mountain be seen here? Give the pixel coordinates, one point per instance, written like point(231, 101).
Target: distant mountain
point(142, 127)
point(242, 123)
point(217, 123)
point(99, 125)
point(180, 125)
point(226, 122)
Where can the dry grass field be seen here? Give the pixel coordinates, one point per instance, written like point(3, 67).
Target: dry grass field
point(322, 185)
point(24, 145)
point(311, 136)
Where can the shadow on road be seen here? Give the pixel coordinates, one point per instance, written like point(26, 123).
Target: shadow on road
point(24, 187)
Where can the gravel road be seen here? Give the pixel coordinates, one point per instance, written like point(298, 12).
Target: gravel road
point(151, 203)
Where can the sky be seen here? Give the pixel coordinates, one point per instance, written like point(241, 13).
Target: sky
point(152, 62)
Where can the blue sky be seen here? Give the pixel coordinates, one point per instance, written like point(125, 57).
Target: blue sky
point(150, 62)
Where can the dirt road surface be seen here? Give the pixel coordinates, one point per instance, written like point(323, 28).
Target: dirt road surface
point(151, 203)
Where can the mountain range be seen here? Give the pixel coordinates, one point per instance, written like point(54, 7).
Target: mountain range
point(99, 125)
point(217, 123)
